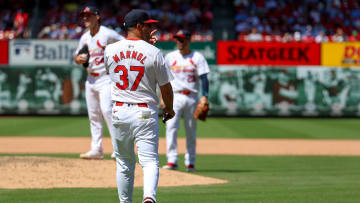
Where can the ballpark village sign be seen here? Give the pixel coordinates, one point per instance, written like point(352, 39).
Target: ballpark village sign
point(61, 52)
point(42, 52)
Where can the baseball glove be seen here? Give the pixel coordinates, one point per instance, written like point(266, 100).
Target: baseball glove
point(85, 50)
point(201, 111)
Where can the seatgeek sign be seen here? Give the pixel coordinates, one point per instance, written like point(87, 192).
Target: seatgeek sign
point(42, 52)
point(267, 53)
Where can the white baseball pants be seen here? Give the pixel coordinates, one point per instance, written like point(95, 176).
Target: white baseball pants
point(99, 104)
point(184, 106)
point(140, 125)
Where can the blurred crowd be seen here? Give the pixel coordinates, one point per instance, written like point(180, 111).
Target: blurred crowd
point(255, 20)
point(13, 20)
point(62, 20)
point(301, 20)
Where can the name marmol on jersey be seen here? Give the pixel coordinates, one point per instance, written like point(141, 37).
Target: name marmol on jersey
point(130, 55)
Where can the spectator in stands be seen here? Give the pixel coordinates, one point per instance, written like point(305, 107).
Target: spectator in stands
point(287, 37)
point(354, 37)
point(307, 37)
point(44, 33)
point(339, 36)
point(64, 33)
point(321, 37)
point(242, 27)
point(54, 31)
point(20, 24)
point(297, 36)
point(254, 36)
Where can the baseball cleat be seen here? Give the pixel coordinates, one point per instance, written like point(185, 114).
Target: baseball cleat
point(170, 166)
point(92, 155)
point(190, 168)
point(148, 200)
point(113, 155)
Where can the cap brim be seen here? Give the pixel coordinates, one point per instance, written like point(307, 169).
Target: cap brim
point(181, 36)
point(87, 12)
point(151, 21)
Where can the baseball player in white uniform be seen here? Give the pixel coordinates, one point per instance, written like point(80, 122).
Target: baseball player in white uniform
point(97, 91)
point(135, 68)
point(188, 67)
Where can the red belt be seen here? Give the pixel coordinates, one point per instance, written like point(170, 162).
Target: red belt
point(185, 92)
point(139, 104)
point(95, 74)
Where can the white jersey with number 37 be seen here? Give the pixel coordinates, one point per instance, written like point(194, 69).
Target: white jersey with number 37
point(186, 70)
point(135, 67)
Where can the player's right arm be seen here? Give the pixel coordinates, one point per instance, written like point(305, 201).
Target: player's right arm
point(203, 69)
point(164, 77)
point(168, 98)
point(80, 58)
point(162, 104)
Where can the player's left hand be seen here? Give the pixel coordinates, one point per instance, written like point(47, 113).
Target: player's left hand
point(167, 115)
point(202, 109)
point(89, 70)
point(153, 38)
point(162, 104)
point(204, 100)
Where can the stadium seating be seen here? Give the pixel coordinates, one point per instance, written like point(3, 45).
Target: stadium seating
point(13, 20)
point(260, 20)
point(62, 21)
point(302, 20)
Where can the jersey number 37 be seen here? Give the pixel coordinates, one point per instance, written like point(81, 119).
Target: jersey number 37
point(124, 76)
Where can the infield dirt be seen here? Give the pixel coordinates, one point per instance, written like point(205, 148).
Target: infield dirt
point(47, 172)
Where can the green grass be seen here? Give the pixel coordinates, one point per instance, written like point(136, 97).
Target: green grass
point(252, 179)
point(45, 126)
point(213, 128)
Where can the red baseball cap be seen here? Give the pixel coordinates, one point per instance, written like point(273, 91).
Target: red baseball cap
point(185, 34)
point(89, 10)
point(137, 16)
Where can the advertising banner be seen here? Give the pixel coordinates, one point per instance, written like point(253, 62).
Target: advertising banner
point(42, 52)
point(289, 91)
point(267, 53)
point(60, 52)
point(42, 90)
point(233, 91)
point(4, 50)
point(345, 54)
point(208, 49)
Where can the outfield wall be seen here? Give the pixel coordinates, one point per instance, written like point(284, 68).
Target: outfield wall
point(235, 90)
point(40, 77)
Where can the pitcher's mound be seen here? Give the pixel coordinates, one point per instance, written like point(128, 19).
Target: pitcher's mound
point(47, 172)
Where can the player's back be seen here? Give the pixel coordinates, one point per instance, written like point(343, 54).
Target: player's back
point(134, 67)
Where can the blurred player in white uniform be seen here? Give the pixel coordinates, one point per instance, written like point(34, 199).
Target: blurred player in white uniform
point(98, 95)
point(188, 68)
point(24, 81)
point(135, 68)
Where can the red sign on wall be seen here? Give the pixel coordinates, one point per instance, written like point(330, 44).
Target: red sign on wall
point(267, 53)
point(4, 52)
